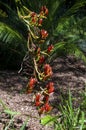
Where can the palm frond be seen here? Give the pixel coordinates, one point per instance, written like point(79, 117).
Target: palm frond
point(11, 37)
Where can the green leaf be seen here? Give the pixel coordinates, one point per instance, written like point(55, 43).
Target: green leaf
point(47, 120)
point(82, 121)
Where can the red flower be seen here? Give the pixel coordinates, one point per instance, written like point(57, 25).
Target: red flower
point(43, 33)
point(50, 87)
point(44, 10)
point(47, 107)
point(32, 82)
point(41, 60)
point(47, 70)
point(50, 48)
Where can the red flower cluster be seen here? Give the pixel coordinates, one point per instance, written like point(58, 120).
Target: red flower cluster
point(45, 108)
point(37, 19)
point(43, 103)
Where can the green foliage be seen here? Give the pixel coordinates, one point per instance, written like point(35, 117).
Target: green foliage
point(48, 120)
point(11, 37)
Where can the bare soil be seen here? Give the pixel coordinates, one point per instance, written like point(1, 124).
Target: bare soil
point(68, 72)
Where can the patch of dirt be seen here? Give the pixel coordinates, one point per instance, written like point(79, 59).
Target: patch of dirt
point(68, 73)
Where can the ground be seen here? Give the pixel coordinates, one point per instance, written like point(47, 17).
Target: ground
point(68, 72)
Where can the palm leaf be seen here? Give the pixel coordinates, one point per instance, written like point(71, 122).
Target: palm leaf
point(11, 37)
